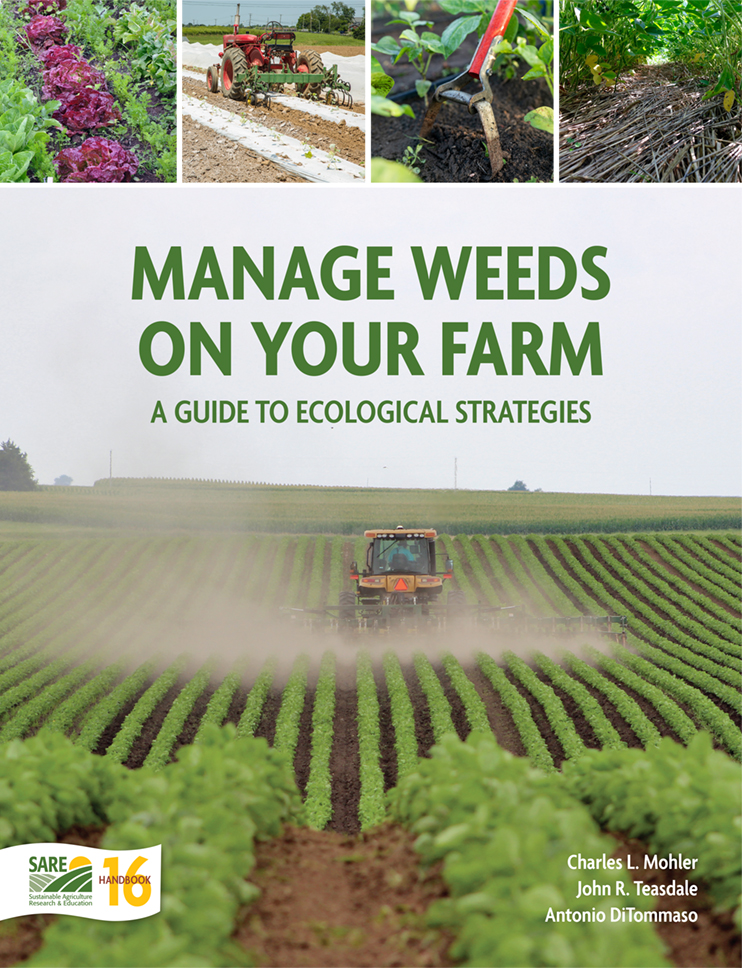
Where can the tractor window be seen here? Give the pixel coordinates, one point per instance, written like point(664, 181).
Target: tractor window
point(400, 556)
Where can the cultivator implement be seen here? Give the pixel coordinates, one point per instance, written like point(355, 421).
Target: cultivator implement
point(251, 66)
point(416, 618)
point(400, 589)
point(478, 69)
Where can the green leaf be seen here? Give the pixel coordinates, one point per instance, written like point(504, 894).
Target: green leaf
point(541, 118)
point(391, 171)
point(511, 30)
point(535, 22)
point(546, 51)
point(387, 45)
point(422, 87)
point(389, 109)
point(454, 35)
point(411, 36)
point(432, 42)
point(529, 54)
point(381, 83)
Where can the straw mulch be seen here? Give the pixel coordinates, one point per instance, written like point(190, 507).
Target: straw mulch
point(652, 127)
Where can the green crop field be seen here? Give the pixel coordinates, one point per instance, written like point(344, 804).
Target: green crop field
point(213, 35)
point(215, 506)
point(158, 685)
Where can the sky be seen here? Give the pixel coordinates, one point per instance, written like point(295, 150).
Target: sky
point(665, 413)
point(211, 12)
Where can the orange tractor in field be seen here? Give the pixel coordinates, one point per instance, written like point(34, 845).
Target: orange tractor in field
point(400, 586)
point(400, 580)
point(252, 64)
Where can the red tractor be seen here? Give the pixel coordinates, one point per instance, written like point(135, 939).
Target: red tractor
point(252, 64)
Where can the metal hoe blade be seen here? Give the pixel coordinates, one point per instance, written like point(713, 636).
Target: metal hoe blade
point(481, 102)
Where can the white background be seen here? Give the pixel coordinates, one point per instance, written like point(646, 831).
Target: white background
point(667, 407)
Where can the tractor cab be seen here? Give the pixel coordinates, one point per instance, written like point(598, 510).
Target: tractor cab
point(400, 567)
point(393, 554)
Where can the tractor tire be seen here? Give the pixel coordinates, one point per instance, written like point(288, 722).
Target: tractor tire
point(313, 62)
point(347, 612)
point(212, 79)
point(234, 62)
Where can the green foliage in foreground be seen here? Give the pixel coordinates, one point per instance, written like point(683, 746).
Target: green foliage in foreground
point(679, 799)
point(504, 831)
point(206, 810)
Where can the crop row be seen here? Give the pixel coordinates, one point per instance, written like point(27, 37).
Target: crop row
point(73, 70)
point(557, 710)
point(62, 603)
point(499, 830)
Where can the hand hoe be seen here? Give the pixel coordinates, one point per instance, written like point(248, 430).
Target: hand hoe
point(479, 68)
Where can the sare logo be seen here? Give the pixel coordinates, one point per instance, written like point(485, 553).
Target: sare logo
point(107, 885)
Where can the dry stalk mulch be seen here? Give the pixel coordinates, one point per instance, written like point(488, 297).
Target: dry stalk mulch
point(652, 127)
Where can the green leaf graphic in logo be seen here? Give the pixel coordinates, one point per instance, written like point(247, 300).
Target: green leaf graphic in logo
point(37, 881)
point(78, 878)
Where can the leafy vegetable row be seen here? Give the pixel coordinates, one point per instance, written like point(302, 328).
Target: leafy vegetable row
point(318, 799)
point(504, 832)
point(372, 806)
point(207, 829)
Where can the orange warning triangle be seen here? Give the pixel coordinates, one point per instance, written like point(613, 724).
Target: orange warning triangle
point(401, 585)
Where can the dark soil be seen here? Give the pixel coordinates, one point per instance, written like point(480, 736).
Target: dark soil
point(539, 717)
point(345, 764)
point(620, 725)
point(387, 750)
point(458, 712)
point(713, 941)
point(328, 899)
point(303, 754)
point(500, 717)
point(454, 150)
point(267, 725)
point(143, 743)
point(423, 726)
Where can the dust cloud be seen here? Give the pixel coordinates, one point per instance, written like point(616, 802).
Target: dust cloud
point(236, 635)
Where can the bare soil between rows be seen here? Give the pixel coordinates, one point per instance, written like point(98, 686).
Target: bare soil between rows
point(329, 899)
point(211, 157)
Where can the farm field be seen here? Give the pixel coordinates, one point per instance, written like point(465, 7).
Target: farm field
point(87, 92)
point(282, 138)
point(255, 507)
point(651, 92)
point(136, 646)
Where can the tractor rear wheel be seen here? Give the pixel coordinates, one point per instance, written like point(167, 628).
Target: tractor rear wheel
point(313, 63)
point(347, 610)
point(212, 79)
point(234, 62)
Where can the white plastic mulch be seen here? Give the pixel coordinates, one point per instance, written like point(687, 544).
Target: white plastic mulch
point(325, 111)
point(293, 156)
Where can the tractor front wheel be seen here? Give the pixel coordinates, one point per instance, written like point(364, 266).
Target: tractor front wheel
point(234, 62)
point(311, 61)
point(212, 79)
